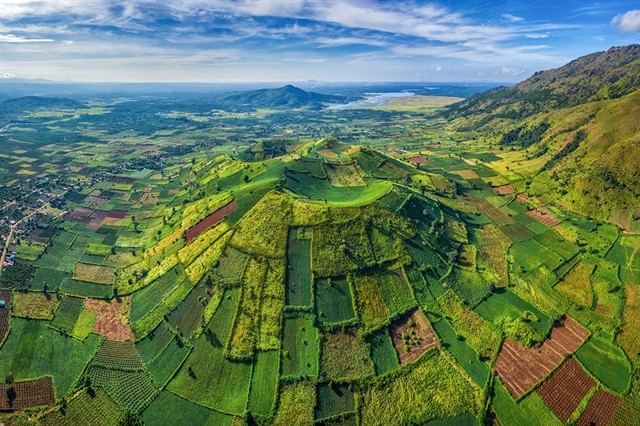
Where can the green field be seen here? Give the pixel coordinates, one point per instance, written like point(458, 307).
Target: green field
point(462, 352)
point(383, 353)
point(334, 400)
point(607, 362)
point(208, 365)
point(299, 279)
point(531, 411)
point(35, 350)
point(169, 409)
point(264, 383)
point(300, 347)
point(504, 303)
point(334, 303)
point(67, 314)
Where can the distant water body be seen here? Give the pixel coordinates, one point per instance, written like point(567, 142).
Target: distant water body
point(372, 99)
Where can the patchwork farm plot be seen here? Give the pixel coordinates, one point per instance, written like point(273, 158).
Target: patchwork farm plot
point(412, 336)
point(564, 390)
point(317, 283)
point(514, 363)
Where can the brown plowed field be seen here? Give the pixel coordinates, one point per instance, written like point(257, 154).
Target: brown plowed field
point(600, 410)
point(544, 218)
point(522, 197)
point(563, 391)
point(466, 174)
point(5, 313)
point(520, 368)
point(421, 332)
point(214, 218)
point(34, 393)
point(503, 190)
point(418, 159)
point(111, 317)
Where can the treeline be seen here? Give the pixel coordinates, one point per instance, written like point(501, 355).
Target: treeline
point(525, 136)
point(567, 149)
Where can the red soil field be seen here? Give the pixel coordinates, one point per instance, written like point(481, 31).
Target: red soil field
point(600, 410)
point(522, 197)
point(80, 214)
point(111, 317)
point(118, 214)
point(5, 313)
point(544, 218)
point(418, 159)
point(213, 219)
point(421, 329)
point(503, 190)
point(521, 369)
point(34, 393)
point(121, 179)
point(565, 389)
point(96, 219)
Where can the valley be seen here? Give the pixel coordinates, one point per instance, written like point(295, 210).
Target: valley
point(267, 260)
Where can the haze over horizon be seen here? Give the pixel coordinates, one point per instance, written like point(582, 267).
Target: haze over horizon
point(298, 40)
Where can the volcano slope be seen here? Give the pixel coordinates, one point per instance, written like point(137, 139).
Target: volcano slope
point(332, 285)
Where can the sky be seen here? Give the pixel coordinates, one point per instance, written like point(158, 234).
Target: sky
point(297, 40)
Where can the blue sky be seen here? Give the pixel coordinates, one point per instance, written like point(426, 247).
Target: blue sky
point(295, 40)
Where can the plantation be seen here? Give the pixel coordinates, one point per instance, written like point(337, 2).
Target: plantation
point(228, 264)
point(419, 394)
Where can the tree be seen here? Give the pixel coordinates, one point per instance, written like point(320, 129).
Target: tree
point(131, 419)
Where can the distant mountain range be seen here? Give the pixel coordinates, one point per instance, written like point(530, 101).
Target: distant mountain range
point(285, 97)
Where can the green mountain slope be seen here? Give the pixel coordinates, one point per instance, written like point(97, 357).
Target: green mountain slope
point(578, 128)
point(598, 76)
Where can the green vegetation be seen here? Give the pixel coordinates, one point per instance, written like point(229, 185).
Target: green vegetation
point(433, 388)
point(383, 353)
point(300, 347)
point(264, 383)
point(266, 273)
point(606, 362)
point(334, 303)
point(35, 350)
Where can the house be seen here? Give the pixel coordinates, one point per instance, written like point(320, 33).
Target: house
point(2, 303)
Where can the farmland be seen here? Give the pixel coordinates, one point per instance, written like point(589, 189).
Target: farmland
point(205, 265)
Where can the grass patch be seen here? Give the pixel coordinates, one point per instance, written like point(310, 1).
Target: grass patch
point(296, 401)
point(480, 334)
point(434, 388)
point(300, 347)
point(334, 400)
point(299, 278)
point(34, 305)
point(383, 353)
point(333, 300)
point(606, 362)
point(336, 365)
point(264, 383)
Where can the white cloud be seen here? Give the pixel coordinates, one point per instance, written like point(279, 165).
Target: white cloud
point(11, 38)
point(513, 71)
point(628, 22)
point(512, 18)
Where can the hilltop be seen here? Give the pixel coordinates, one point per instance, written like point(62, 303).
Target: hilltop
point(285, 97)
